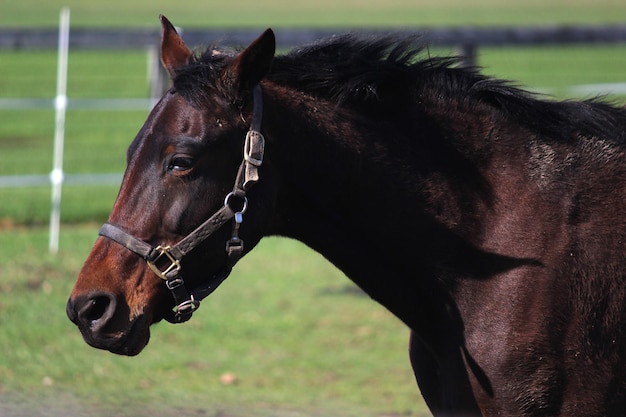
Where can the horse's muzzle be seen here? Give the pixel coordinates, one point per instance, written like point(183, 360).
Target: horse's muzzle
point(94, 316)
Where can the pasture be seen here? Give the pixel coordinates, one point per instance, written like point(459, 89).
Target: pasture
point(287, 334)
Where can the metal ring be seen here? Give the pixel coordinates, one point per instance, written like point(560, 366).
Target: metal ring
point(244, 198)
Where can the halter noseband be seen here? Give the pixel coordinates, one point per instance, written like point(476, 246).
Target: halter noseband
point(188, 302)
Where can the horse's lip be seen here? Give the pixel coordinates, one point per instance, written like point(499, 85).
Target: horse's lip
point(128, 342)
point(134, 339)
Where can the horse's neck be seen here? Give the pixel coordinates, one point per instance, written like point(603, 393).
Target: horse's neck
point(356, 171)
point(334, 164)
point(346, 191)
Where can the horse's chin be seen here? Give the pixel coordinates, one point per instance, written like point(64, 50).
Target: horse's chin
point(136, 339)
point(129, 343)
point(135, 344)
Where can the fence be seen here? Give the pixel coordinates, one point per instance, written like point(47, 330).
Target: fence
point(472, 37)
point(466, 40)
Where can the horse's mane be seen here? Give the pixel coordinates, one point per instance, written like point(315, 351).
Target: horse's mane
point(379, 73)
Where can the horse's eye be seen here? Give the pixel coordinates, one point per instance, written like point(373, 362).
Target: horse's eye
point(181, 164)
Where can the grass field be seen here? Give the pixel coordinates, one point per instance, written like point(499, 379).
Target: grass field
point(296, 336)
point(319, 13)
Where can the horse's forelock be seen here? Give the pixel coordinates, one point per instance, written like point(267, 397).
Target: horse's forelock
point(201, 76)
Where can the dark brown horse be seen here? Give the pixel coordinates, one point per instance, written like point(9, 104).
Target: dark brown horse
point(489, 221)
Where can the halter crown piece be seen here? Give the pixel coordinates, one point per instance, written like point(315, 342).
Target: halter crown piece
point(165, 260)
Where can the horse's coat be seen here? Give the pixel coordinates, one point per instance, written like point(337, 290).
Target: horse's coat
point(488, 220)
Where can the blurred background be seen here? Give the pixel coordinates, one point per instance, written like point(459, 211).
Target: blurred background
point(287, 334)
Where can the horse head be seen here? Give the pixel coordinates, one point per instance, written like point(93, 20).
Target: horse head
point(177, 226)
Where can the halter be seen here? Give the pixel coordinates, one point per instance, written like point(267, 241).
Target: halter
point(165, 260)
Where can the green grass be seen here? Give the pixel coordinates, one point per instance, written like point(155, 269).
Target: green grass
point(297, 335)
point(95, 141)
point(556, 69)
point(320, 13)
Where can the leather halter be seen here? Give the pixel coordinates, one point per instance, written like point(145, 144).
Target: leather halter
point(235, 205)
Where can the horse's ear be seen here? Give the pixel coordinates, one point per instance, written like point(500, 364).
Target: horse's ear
point(252, 64)
point(174, 52)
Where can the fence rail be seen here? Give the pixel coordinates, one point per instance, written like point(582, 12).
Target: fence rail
point(34, 180)
point(29, 38)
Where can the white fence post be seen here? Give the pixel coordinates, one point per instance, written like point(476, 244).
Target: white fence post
point(60, 105)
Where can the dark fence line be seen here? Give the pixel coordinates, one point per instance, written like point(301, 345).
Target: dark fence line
point(29, 38)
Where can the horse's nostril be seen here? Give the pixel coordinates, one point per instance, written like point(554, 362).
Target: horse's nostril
point(96, 308)
point(94, 312)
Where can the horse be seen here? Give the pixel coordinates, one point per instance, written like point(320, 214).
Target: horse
point(486, 218)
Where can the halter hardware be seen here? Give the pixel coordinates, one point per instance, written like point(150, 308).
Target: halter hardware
point(174, 263)
point(187, 302)
point(235, 244)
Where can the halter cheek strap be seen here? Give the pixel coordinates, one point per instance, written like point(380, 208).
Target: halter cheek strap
point(165, 260)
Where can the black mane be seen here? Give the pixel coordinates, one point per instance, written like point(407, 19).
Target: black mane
point(349, 69)
point(379, 72)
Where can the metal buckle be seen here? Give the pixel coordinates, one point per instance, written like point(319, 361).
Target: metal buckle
point(174, 263)
point(254, 145)
point(187, 307)
point(172, 284)
point(234, 247)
